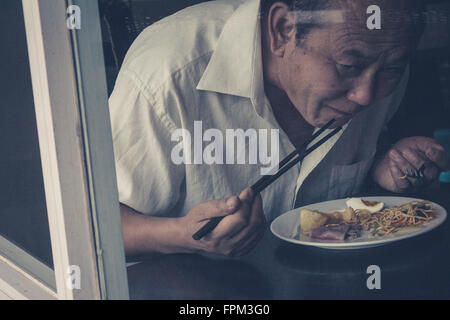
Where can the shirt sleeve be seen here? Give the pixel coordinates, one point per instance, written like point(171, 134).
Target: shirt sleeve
point(148, 181)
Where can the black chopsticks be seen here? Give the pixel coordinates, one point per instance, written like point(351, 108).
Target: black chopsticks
point(284, 166)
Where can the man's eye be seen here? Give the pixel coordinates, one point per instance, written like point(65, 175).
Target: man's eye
point(393, 70)
point(348, 69)
point(347, 66)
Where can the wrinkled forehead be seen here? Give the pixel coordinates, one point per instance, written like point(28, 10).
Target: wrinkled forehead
point(346, 25)
point(391, 46)
point(397, 17)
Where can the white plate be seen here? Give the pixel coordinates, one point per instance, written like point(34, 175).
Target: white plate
point(286, 226)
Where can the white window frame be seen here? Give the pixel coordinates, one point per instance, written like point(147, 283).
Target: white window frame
point(71, 104)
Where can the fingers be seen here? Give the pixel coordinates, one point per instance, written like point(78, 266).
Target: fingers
point(410, 154)
point(248, 242)
point(399, 167)
point(218, 208)
point(409, 160)
point(396, 163)
point(247, 195)
point(248, 245)
point(257, 221)
point(418, 159)
point(415, 158)
point(434, 151)
point(423, 143)
point(233, 224)
point(439, 156)
point(248, 235)
point(239, 232)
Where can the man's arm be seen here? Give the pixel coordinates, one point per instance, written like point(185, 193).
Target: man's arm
point(240, 230)
point(143, 234)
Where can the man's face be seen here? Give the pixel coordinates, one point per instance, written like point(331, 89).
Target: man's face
point(340, 69)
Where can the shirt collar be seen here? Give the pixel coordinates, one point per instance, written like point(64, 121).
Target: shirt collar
point(235, 67)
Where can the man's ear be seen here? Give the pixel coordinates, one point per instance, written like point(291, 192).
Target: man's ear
point(281, 28)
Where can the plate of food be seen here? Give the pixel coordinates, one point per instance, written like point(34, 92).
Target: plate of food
point(357, 223)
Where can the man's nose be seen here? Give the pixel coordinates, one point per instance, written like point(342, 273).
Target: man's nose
point(362, 90)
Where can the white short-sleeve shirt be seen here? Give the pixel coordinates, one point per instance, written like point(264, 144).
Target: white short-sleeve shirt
point(204, 64)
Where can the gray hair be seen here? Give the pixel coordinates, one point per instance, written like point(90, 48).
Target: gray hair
point(303, 27)
point(310, 14)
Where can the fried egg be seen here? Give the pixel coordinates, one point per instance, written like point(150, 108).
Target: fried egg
point(360, 204)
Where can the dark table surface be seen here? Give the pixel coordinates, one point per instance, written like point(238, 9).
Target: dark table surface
point(417, 268)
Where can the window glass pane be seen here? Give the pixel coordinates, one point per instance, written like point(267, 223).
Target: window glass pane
point(23, 213)
point(159, 82)
point(123, 20)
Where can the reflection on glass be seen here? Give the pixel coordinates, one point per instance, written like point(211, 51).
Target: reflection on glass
point(23, 213)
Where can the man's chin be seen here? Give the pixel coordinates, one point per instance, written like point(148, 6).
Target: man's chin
point(342, 121)
point(339, 122)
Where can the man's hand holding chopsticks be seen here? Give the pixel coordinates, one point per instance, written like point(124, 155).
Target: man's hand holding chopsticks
point(240, 230)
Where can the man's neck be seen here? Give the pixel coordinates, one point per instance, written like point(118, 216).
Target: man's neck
point(288, 117)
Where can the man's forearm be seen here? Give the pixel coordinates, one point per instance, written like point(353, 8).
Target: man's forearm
point(143, 234)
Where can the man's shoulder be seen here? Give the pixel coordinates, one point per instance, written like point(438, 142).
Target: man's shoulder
point(184, 40)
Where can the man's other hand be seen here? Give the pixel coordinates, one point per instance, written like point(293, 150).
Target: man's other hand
point(410, 154)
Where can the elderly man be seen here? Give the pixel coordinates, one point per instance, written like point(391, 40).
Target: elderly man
point(291, 66)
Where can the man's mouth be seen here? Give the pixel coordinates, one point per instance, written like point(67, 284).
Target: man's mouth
point(342, 113)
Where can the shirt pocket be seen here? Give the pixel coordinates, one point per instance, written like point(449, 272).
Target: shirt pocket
point(347, 180)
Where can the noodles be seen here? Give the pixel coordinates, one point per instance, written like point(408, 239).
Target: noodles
point(347, 224)
point(390, 220)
